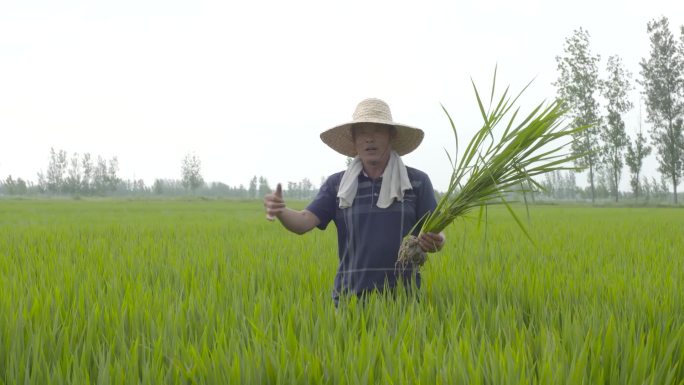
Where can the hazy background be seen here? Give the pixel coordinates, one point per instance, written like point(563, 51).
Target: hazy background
point(249, 86)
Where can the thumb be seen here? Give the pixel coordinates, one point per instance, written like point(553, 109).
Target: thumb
point(279, 191)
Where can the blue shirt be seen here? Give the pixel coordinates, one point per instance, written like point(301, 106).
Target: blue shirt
point(369, 237)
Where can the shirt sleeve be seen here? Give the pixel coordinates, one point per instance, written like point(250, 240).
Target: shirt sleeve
point(324, 205)
point(426, 202)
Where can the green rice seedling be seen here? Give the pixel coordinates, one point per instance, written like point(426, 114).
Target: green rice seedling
point(489, 169)
point(206, 292)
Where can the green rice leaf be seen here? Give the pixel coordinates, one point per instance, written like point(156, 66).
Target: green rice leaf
point(490, 168)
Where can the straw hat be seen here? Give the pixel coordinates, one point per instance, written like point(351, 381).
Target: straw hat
point(372, 110)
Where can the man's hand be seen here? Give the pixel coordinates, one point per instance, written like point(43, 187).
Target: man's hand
point(274, 203)
point(431, 242)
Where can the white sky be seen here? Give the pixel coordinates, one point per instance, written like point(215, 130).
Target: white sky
point(249, 85)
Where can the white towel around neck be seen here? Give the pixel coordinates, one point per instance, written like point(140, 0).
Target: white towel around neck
point(395, 181)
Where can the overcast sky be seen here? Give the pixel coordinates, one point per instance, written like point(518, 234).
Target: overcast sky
point(249, 85)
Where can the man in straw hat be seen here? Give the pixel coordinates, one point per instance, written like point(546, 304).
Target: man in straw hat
point(374, 203)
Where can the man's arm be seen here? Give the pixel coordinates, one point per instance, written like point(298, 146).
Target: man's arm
point(298, 222)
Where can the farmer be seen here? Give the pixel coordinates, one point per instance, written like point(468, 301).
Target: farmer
point(374, 203)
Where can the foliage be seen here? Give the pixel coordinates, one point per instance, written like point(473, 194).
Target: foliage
point(191, 172)
point(14, 187)
point(636, 152)
point(76, 176)
point(613, 135)
point(264, 188)
point(559, 185)
point(303, 189)
point(577, 86)
point(56, 170)
point(493, 167)
point(253, 188)
point(663, 82)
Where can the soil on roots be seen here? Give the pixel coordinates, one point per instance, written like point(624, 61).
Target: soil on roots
point(411, 255)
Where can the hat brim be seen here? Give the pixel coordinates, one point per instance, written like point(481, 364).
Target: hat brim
point(339, 138)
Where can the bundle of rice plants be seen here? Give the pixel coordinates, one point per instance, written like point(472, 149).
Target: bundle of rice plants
point(491, 168)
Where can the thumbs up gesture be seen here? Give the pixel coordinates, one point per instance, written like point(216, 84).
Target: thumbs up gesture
point(274, 203)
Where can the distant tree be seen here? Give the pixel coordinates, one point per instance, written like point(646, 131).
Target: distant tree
point(660, 189)
point(615, 90)
point(306, 187)
point(100, 181)
point(664, 190)
point(292, 190)
point(74, 175)
point(253, 187)
point(559, 185)
point(549, 185)
point(567, 184)
point(242, 191)
point(56, 170)
point(20, 187)
point(577, 85)
point(264, 188)
point(8, 185)
point(220, 189)
point(42, 182)
point(645, 188)
point(158, 186)
point(138, 186)
point(112, 170)
point(637, 151)
point(191, 171)
point(14, 187)
point(663, 86)
point(604, 184)
point(87, 177)
point(168, 187)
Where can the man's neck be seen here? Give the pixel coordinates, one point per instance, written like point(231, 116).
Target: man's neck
point(374, 170)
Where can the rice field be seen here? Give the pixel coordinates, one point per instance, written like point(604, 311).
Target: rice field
point(209, 292)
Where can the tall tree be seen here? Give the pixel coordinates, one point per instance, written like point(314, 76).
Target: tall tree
point(663, 86)
point(87, 177)
point(292, 190)
point(264, 188)
point(14, 187)
point(20, 187)
point(191, 172)
point(56, 170)
point(577, 85)
point(74, 175)
point(100, 176)
point(613, 135)
point(42, 182)
point(253, 187)
point(158, 186)
point(636, 152)
point(8, 185)
point(112, 169)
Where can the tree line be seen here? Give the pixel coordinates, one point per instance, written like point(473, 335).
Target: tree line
point(79, 174)
point(86, 175)
point(605, 148)
point(83, 176)
point(562, 186)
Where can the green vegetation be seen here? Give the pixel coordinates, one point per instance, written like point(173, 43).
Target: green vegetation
point(210, 292)
point(492, 167)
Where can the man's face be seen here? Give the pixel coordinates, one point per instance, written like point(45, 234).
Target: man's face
point(372, 142)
